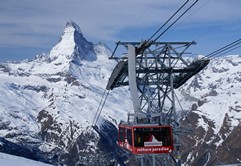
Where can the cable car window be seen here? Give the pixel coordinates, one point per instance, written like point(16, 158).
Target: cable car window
point(166, 136)
point(155, 136)
point(121, 134)
point(129, 137)
point(138, 138)
point(146, 129)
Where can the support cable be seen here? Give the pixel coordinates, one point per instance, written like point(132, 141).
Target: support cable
point(230, 50)
point(176, 20)
point(227, 48)
point(148, 43)
point(167, 20)
point(100, 107)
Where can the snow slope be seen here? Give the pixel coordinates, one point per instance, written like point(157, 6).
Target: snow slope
point(10, 160)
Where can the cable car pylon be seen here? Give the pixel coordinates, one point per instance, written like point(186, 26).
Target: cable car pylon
point(152, 131)
point(153, 70)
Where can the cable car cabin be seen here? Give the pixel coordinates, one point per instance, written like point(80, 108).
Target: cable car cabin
point(146, 139)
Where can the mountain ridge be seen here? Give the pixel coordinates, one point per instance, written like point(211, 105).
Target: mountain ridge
point(72, 45)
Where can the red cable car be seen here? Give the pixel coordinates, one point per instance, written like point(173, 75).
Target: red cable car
point(146, 138)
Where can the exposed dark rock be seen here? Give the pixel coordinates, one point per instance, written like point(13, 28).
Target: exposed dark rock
point(194, 106)
point(45, 119)
point(230, 150)
point(201, 147)
point(4, 124)
point(108, 143)
point(215, 70)
point(4, 68)
point(201, 102)
point(71, 80)
point(53, 79)
point(36, 88)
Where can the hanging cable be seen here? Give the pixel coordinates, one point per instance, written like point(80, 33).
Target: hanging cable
point(227, 48)
point(100, 108)
point(224, 48)
point(176, 20)
point(148, 43)
point(167, 21)
point(230, 50)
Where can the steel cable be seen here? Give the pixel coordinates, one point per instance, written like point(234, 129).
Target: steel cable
point(102, 107)
point(98, 108)
point(227, 48)
point(167, 20)
point(176, 20)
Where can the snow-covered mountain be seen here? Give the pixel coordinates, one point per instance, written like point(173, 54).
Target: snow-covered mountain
point(51, 101)
point(47, 107)
point(214, 100)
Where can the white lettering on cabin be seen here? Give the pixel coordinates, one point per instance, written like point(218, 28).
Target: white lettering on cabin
point(162, 149)
point(144, 150)
point(152, 143)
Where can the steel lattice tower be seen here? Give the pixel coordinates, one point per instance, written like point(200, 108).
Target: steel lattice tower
point(153, 73)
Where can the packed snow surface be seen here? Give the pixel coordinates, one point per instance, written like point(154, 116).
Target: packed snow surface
point(10, 160)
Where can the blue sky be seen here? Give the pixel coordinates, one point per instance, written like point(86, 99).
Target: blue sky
point(28, 27)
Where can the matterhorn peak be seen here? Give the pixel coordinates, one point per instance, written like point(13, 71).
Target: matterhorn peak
point(72, 46)
point(72, 24)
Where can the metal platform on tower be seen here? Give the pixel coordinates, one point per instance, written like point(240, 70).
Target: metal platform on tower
point(181, 74)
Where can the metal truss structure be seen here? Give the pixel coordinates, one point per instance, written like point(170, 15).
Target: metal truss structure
point(153, 71)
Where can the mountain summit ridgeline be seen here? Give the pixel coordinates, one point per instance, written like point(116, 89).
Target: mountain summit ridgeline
point(72, 46)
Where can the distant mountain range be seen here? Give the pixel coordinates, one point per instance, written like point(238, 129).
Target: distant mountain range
point(47, 107)
point(214, 103)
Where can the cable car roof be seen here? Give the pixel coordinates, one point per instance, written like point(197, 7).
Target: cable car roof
point(143, 125)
